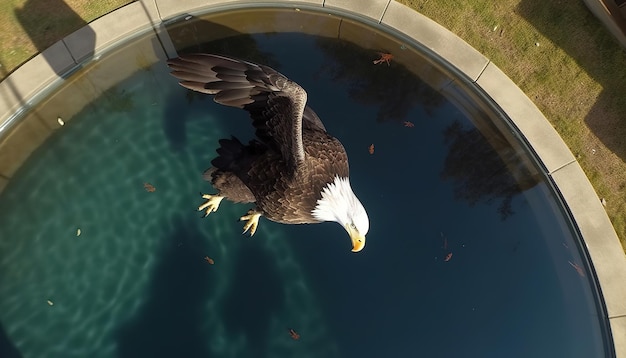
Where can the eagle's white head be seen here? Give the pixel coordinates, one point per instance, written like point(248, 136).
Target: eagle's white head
point(339, 204)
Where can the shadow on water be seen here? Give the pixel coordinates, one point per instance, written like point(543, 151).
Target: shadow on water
point(170, 321)
point(7, 348)
point(202, 36)
point(255, 295)
point(573, 28)
point(46, 21)
point(175, 120)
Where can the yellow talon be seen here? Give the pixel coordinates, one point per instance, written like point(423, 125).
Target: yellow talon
point(211, 205)
point(252, 219)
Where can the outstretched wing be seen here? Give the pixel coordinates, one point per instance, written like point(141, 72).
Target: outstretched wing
point(276, 104)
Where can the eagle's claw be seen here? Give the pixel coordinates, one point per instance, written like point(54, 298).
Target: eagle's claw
point(252, 218)
point(211, 205)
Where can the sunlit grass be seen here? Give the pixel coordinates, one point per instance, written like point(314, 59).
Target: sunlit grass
point(27, 26)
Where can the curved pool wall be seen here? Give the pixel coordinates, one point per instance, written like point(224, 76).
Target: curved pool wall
point(476, 78)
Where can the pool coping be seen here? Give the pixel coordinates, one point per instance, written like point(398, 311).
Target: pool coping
point(21, 88)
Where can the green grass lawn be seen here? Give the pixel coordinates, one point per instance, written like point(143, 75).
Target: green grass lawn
point(556, 51)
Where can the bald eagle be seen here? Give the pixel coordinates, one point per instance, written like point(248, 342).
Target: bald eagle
point(293, 171)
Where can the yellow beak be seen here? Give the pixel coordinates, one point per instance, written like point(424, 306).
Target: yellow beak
point(358, 240)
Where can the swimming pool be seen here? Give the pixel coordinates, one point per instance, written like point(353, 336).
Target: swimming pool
point(469, 252)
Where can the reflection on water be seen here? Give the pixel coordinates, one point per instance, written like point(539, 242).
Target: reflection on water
point(393, 90)
point(476, 166)
point(479, 172)
point(135, 283)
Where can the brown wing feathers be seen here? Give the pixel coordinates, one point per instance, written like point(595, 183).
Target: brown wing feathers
point(274, 102)
point(233, 82)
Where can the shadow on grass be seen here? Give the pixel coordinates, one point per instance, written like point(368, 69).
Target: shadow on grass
point(573, 28)
point(47, 21)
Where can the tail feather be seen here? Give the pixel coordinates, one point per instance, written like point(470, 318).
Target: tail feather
point(208, 174)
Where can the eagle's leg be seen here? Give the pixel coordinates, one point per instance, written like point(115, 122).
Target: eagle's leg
point(252, 218)
point(211, 205)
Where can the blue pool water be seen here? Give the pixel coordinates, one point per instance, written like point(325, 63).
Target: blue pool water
point(463, 259)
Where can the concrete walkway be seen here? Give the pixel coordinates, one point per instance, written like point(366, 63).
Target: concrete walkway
point(49, 70)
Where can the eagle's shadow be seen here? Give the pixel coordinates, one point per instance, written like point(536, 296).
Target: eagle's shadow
point(170, 321)
point(7, 348)
point(255, 296)
point(174, 320)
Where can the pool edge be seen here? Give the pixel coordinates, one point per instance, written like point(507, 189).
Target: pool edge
point(604, 248)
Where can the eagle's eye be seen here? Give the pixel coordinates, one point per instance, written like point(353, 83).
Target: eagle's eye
point(352, 226)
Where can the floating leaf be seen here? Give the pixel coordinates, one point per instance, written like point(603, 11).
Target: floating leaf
point(294, 335)
point(149, 187)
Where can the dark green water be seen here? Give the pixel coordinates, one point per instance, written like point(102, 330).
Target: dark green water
point(135, 284)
